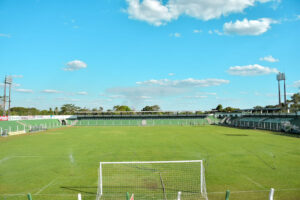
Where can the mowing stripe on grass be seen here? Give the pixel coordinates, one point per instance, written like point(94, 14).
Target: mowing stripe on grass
point(43, 188)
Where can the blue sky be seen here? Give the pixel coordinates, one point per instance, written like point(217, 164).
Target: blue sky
point(179, 54)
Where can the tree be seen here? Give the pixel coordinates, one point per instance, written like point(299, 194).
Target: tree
point(296, 98)
point(151, 108)
point(100, 108)
point(44, 112)
point(24, 111)
point(69, 109)
point(1, 109)
point(258, 107)
point(56, 111)
point(229, 109)
point(121, 108)
point(219, 108)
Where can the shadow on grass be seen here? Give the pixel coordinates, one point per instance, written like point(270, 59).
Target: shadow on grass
point(80, 189)
point(294, 135)
point(84, 189)
point(235, 134)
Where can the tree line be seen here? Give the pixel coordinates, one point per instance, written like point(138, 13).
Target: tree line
point(70, 109)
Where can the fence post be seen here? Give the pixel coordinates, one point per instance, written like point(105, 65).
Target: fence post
point(79, 196)
point(29, 197)
point(227, 195)
point(271, 194)
point(179, 195)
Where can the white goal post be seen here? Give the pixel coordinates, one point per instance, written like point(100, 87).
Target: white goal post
point(157, 180)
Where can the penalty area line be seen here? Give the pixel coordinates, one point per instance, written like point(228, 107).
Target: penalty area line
point(255, 191)
point(254, 182)
point(43, 188)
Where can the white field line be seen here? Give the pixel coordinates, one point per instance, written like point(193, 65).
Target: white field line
point(233, 192)
point(256, 191)
point(46, 195)
point(43, 188)
point(254, 182)
point(11, 157)
point(5, 159)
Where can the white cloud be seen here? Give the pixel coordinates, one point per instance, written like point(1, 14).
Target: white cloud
point(171, 74)
point(136, 93)
point(190, 82)
point(75, 65)
point(16, 85)
point(244, 93)
point(207, 93)
point(67, 99)
point(145, 97)
point(297, 84)
point(196, 97)
point(251, 70)
point(248, 27)
point(151, 11)
point(157, 13)
point(13, 85)
point(218, 32)
point(82, 93)
point(210, 32)
point(51, 91)
point(269, 59)
point(17, 76)
point(5, 35)
point(24, 90)
point(116, 96)
point(175, 35)
point(145, 91)
point(197, 31)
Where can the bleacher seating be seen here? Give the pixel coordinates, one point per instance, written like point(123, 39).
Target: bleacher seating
point(28, 125)
point(265, 122)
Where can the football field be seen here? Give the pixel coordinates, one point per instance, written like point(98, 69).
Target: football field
point(60, 163)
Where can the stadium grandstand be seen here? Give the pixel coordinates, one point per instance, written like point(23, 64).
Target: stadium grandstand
point(282, 122)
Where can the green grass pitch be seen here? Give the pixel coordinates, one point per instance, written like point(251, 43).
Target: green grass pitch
point(58, 164)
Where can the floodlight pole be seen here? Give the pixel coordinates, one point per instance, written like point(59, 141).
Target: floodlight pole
point(285, 104)
point(4, 97)
point(279, 95)
point(9, 100)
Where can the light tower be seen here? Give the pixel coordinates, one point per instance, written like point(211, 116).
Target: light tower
point(281, 77)
point(7, 81)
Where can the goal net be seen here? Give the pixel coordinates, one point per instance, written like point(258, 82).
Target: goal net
point(159, 180)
